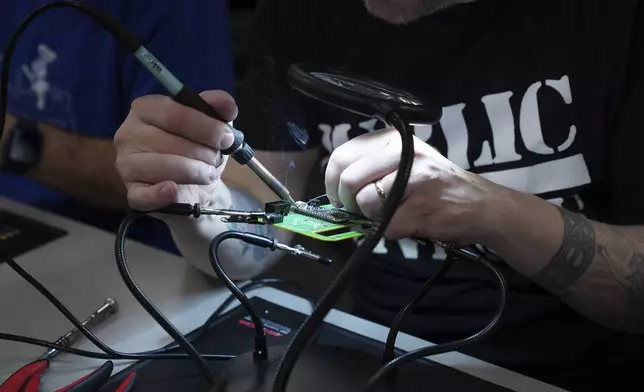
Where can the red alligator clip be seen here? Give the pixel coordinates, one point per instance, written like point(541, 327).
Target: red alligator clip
point(27, 379)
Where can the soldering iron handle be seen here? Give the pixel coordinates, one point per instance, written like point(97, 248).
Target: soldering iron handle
point(188, 97)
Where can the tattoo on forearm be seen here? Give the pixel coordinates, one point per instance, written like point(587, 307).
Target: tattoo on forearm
point(624, 263)
point(575, 255)
point(635, 289)
point(599, 271)
point(636, 282)
point(244, 202)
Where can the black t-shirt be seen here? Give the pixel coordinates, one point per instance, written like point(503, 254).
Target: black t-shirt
point(543, 96)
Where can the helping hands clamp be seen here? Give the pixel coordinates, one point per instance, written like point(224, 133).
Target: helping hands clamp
point(273, 213)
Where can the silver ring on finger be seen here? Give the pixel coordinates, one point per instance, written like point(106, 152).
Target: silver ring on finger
point(380, 190)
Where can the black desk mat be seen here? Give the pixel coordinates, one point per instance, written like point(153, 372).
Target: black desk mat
point(233, 334)
point(19, 234)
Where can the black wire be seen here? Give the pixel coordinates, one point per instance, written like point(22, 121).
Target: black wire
point(85, 331)
point(98, 355)
point(355, 262)
point(119, 250)
point(152, 354)
point(390, 345)
point(67, 349)
point(116, 30)
point(252, 285)
point(450, 346)
point(258, 283)
point(261, 347)
point(246, 287)
point(214, 317)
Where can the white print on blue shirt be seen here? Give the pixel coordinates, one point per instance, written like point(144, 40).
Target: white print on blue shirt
point(32, 86)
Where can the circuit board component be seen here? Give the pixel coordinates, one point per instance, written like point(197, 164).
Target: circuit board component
point(324, 223)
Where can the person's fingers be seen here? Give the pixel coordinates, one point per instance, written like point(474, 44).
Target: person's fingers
point(368, 200)
point(146, 197)
point(170, 116)
point(152, 168)
point(405, 221)
point(362, 173)
point(151, 139)
point(223, 103)
point(415, 216)
point(344, 156)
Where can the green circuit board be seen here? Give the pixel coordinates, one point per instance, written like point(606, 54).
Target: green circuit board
point(325, 223)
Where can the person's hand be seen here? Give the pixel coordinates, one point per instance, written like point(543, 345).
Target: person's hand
point(167, 152)
point(442, 201)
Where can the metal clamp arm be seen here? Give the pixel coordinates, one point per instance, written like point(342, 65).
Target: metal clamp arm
point(273, 213)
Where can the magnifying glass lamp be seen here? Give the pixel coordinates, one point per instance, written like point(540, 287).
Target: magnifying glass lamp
point(304, 367)
point(361, 96)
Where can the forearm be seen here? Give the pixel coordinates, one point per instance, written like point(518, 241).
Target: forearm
point(81, 167)
point(597, 269)
point(239, 259)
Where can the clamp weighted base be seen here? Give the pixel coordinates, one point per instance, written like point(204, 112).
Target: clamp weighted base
point(319, 369)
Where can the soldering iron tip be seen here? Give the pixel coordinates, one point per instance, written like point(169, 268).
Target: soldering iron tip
point(291, 201)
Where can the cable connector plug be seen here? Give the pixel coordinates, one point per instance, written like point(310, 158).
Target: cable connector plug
point(300, 251)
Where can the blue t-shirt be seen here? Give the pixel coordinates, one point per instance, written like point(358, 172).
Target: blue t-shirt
point(68, 72)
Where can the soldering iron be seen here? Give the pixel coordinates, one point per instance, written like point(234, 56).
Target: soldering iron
point(181, 93)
